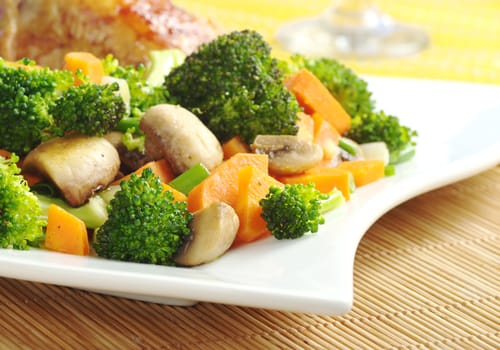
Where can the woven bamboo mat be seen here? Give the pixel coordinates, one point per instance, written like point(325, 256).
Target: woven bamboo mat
point(425, 278)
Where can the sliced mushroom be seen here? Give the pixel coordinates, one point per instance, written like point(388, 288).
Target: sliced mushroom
point(77, 165)
point(213, 230)
point(288, 154)
point(176, 134)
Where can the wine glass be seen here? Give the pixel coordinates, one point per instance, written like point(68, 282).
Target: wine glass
point(352, 29)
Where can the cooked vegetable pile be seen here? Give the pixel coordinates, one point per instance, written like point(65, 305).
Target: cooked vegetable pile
point(175, 162)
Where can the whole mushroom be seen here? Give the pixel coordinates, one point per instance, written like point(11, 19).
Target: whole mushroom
point(213, 230)
point(174, 133)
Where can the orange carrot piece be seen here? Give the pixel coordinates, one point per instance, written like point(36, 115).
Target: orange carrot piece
point(222, 184)
point(178, 196)
point(32, 179)
point(160, 168)
point(89, 64)
point(325, 179)
point(306, 127)
point(65, 232)
point(4, 153)
point(23, 66)
point(364, 171)
point(233, 146)
point(253, 185)
point(314, 97)
point(326, 136)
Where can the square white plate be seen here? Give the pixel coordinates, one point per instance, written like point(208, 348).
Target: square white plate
point(459, 128)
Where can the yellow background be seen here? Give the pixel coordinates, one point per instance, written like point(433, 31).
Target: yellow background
point(465, 34)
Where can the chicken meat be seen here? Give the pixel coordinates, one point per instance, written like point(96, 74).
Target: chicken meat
point(44, 30)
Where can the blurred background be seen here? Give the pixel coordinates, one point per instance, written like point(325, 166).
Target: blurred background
point(464, 34)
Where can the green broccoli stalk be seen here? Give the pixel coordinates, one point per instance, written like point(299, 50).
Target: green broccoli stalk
point(89, 109)
point(235, 87)
point(20, 223)
point(93, 213)
point(145, 224)
point(295, 209)
point(27, 94)
point(142, 94)
point(146, 90)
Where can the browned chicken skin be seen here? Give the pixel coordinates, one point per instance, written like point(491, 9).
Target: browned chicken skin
point(44, 30)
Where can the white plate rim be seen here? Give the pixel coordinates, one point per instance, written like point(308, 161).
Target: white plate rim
point(268, 274)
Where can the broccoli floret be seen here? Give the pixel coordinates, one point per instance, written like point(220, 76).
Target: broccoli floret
point(89, 109)
point(145, 224)
point(295, 209)
point(379, 126)
point(27, 94)
point(367, 124)
point(343, 83)
point(142, 94)
point(235, 87)
point(20, 223)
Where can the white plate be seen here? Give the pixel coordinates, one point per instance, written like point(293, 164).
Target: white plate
point(459, 127)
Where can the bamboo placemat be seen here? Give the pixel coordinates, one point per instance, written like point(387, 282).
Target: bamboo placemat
point(425, 273)
point(425, 278)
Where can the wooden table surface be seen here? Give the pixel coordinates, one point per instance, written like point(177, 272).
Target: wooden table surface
point(425, 273)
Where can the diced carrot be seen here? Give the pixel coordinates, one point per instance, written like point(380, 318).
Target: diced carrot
point(325, 179)
point(364, 171)
point(325, 135)
point(306, 127)
point(89, 64)
point(222, 184)
point(253, 185)
point(32, 179)
point(23, 66)
point(178, 196)
point(233, 146)
point(314, 97)
point(160, 168)
point(65, 232)
point(4, 153)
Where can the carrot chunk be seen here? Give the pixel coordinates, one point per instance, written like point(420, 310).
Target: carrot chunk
point(89, 64)
point(314, 97)
point(65, 232)
point(253, 185)
point(325, 179)
point(364, 171)
point(160, 168)
point(233, 146)
point(222, 184)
